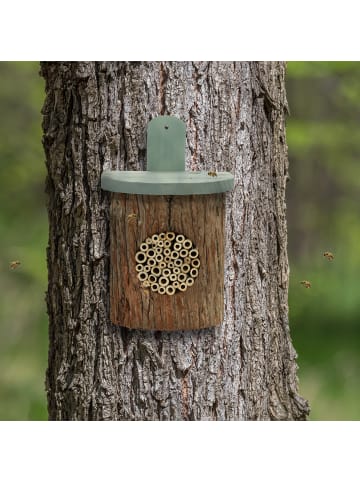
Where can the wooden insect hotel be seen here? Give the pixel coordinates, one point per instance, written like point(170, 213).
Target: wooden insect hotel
point(166, 238)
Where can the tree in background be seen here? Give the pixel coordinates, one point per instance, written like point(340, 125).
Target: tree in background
point(95, 116)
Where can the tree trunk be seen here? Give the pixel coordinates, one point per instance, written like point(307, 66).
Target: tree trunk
point(95, 117)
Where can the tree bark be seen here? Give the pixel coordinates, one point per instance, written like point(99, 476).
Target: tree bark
point(95, 117)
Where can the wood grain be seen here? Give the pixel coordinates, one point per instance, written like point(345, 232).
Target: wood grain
point(134, 218)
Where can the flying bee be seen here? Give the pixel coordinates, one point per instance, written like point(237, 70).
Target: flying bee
point(14, 264)
point(305, 283)
point(131, 218)
point(329, 255)
point(212, 173)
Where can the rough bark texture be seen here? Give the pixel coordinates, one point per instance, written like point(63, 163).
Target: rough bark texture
point(199, 218)
point(95, 116)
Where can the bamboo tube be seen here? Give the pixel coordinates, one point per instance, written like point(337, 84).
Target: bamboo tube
point(181, 277)
point(195, 263)
point(190, 281)
point(163, 281)
point(154, 287)
point(194, 253)
point(170, 290)
point(167, 262)
point(144, 247)
point(156, 271)
point(187, 244)
point(185, 268)
point(152, 278)
point(151, 253)
point(180, 238)
point(142, 276)
point(140, 257)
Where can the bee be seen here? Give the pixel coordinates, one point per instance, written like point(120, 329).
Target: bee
point(14, 264)
point(131, 218)
point(329, 255)
point(305, 283)
point(212, 173)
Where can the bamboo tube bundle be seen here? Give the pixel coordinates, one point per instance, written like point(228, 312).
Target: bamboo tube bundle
point(167, 263)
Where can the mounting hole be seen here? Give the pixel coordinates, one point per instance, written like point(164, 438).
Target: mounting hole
point(166, 127)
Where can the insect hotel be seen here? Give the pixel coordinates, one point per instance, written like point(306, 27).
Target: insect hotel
point(166, 238)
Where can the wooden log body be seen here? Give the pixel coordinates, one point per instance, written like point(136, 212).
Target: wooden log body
point(133, 219)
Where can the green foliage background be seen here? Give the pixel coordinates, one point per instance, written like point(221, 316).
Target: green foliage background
point(23, 237)
point(323, 215)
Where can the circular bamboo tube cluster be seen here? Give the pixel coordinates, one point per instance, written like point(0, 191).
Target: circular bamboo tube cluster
point(167, 263)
